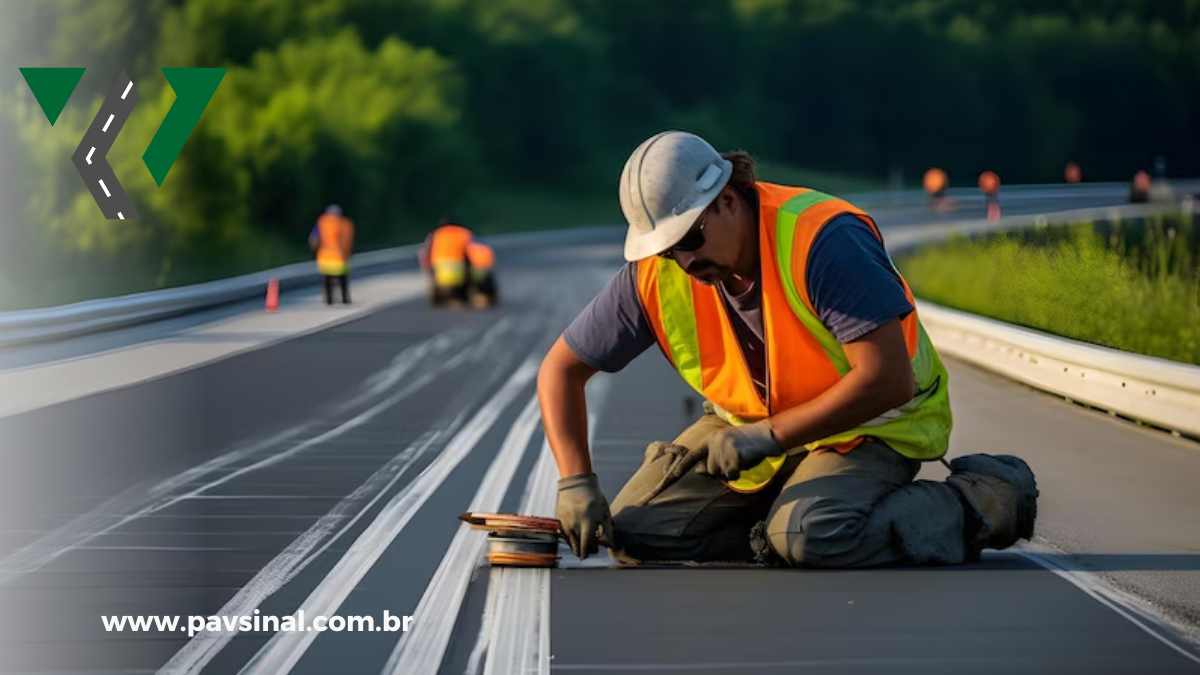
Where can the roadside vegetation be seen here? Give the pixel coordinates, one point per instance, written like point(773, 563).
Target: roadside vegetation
point(1130, 285)
point(519, 113)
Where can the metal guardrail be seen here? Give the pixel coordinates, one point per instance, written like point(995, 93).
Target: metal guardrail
point(1163, 190)
point(1146, 389)
point(1162, 393)
point(1155, 391)
point(92, 316)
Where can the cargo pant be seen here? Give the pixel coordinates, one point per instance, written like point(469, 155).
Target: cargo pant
point(823, 509)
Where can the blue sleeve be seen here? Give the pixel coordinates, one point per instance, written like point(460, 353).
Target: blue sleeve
point(851, 281)
point(612, 330)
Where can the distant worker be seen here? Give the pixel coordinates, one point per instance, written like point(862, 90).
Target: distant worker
point(824, 395)
point(1139, 191)
point(333, 240)
point(483, 274)
point(989, 184)
point(444, 259)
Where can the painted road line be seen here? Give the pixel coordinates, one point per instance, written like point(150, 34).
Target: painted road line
point(292, 560)
point(518, 639)
point(878, 664)
point(120, 215)
point(88, 159)
point(489, 617)
point(110, 117)
point(140, 501)
point(127, 88)
point(169, 501)
point(422, 649)
point(1119, 602)
point(518, 635)
point(285, 649)
point(105, 188)
point(313, 543)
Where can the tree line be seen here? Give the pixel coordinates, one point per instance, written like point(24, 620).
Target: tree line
point(405, 111)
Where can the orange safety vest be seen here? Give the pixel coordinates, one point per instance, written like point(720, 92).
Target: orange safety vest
point(449, 244)
point(335, 236)
point(803, 357)
point(447, 255)
point(482, 257)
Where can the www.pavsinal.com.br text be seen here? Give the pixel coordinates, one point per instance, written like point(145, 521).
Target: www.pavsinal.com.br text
point(256, 623)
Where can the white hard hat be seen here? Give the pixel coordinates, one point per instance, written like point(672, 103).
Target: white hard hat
point(667, 182)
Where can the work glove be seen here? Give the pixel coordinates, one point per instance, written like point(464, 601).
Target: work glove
point(731, 449)
point(682, 460)
point(582, 509)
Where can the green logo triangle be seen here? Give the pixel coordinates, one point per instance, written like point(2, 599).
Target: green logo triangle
point(52, 87)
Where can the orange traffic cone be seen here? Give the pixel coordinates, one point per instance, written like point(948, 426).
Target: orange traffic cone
point(273, 295)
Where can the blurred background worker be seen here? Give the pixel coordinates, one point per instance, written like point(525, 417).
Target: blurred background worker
point(333, 240)
point(482, 260)
point(444, 258)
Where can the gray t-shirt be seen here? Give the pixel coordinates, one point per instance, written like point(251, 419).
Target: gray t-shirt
point(850, 280)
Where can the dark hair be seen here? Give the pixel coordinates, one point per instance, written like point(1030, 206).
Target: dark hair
point(742, 179)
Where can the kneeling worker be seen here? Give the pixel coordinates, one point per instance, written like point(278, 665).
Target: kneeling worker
point(443, 257)
point(483, 274)
point(782, 308)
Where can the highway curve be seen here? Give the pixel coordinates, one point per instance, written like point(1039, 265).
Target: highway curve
point(321, 467)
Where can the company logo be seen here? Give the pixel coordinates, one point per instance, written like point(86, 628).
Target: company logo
point(193, 87)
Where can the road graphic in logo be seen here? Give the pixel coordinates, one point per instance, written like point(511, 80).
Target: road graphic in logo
point(193, 87)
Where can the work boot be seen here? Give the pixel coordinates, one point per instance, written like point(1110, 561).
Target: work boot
point(999, 495)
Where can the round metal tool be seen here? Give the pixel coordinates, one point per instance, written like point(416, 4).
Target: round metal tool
point(516, 540)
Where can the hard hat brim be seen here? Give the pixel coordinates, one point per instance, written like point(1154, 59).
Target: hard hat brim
point(668, 232)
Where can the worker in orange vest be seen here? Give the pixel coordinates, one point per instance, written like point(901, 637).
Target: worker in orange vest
point(443, 257)
point(482, 260)
point(333, 240)
point(781, 307)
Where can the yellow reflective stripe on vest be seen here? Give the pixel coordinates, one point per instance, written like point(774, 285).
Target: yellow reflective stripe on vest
point(679, 318)
point(919, 429)
point(785, 237)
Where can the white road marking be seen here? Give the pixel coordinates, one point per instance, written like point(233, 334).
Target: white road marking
point(201, 649)
point(489, 618)
point(127, 88)
point(1109, 597)
point(141, 502)
point(285, 649)
point(155, 548)
point(110, 119)
point(518, 638)
point(518, 635)
point(105, 187)
point(169, 501)
point(881, 663)
point(220, 497)
point(88, 159)
point(422, 649)
point(120, 215)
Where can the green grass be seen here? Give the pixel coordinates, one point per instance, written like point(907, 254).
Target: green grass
point(1133, 286)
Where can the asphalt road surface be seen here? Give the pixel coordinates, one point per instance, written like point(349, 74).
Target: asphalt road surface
point(324, 472)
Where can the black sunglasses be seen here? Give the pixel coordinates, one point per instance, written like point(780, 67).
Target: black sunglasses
point(691, 241)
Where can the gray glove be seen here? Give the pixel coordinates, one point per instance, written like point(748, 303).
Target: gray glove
point(735, 448)
point(582, 509)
